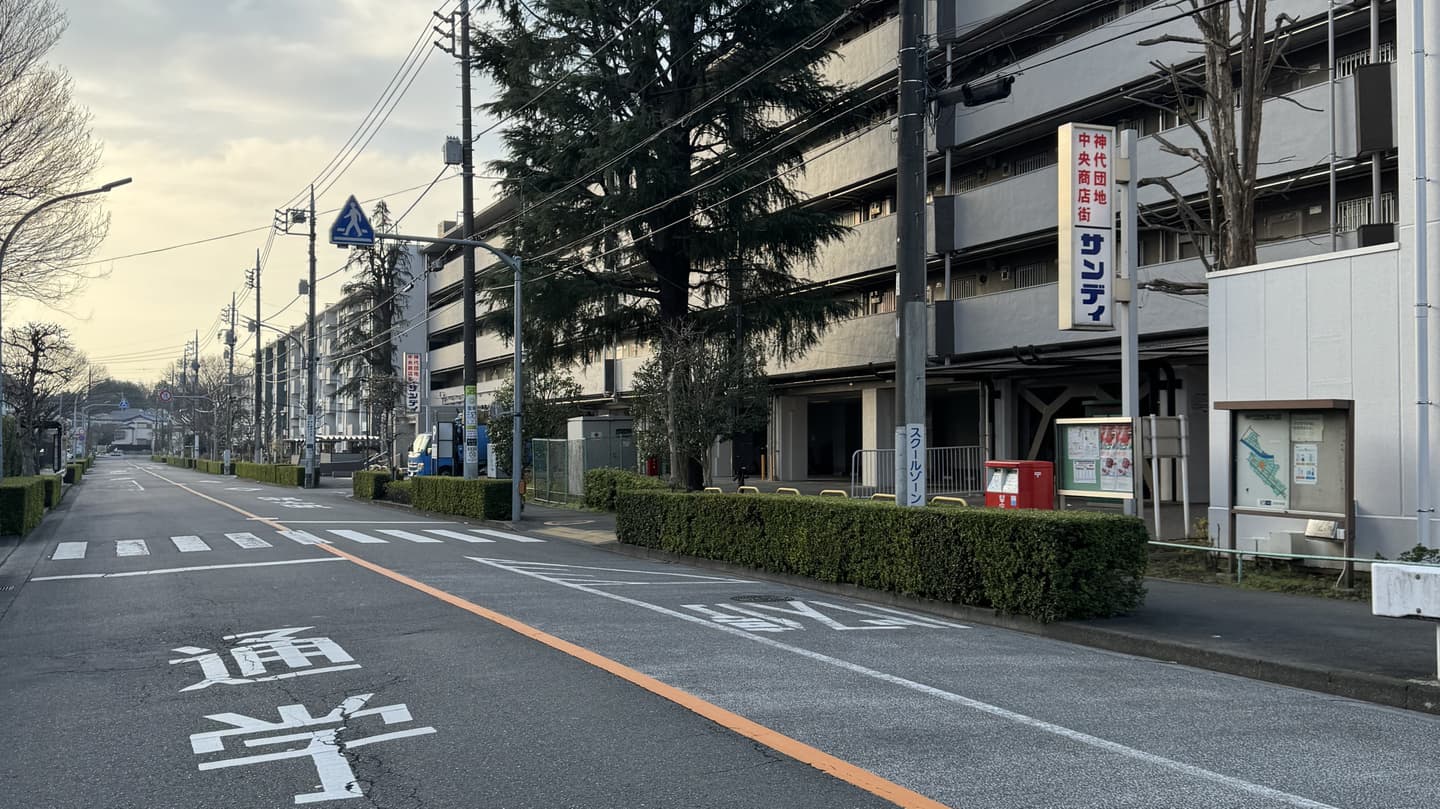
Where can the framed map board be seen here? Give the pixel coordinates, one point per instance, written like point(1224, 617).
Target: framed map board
point(1293, 459)
point(1097, 457)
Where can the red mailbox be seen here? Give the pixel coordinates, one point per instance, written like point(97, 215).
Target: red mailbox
point(1020, 484)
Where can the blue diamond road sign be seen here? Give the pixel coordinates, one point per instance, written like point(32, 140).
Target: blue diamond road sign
point(351, 228)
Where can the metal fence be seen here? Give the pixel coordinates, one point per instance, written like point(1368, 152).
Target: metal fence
point(948, 471)
point(557, 473)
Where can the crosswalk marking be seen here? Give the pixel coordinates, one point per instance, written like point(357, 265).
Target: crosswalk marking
point(304, 538)
point(356, 536)
point(456, 535)
point(189, 544)
point(505, 535)
point(406, 535)
point(247, 541)
point(71, 550)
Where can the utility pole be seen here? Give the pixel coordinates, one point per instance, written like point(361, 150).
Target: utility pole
point(255, 285)
point(195, 392)
point(910, 310)
point(230, 389)
point(311, 468)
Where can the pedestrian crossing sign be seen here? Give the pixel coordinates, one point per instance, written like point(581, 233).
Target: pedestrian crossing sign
point(352, 228)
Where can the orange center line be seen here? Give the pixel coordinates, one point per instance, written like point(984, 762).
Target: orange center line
point(839, 768)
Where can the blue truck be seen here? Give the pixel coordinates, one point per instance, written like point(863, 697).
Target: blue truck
point(440, 451)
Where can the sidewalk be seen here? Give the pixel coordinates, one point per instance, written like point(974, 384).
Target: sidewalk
point(1331, 646)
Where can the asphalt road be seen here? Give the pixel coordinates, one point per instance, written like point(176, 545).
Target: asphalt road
point(176, 639)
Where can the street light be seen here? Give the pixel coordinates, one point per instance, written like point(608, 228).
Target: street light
point(10, 237)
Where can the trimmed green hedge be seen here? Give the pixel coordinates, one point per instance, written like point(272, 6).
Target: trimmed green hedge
point(369, 485)
point(54, 489)
point(210, 467)
point(74, 472)
point(484, 498)
point(400, 491)
point(1048, 565)
point(22, 504)
point(601, 486)
point(181, 462)
point(283, 474)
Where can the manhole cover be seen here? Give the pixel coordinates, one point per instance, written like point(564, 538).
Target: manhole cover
point(762, 599)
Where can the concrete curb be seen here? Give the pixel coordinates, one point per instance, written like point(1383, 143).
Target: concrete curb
point(1423, 696)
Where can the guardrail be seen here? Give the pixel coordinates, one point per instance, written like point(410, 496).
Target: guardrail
point(1240, 554)
point(948, 471)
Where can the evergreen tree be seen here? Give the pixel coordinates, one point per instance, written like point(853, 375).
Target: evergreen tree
point(372, 309)
point(635, 125)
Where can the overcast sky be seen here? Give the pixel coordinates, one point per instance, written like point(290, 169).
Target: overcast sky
point(222, 111)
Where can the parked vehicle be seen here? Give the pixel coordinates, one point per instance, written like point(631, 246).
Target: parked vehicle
point(439, 452)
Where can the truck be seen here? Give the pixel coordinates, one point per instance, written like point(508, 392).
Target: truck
point(440, 452)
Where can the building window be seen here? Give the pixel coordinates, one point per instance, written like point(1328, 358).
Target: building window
point(1353, 213)
point(1035, 274)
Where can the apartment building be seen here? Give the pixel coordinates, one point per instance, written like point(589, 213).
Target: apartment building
point(343, 420)
point(1000, 371)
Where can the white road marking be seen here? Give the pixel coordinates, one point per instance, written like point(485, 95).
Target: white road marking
point(457, 535)
point(546, 569)
point(356, 536)
point(304, 538)
point(1076, 736)
point(137, 485)
point(247, 541)
point(408, 536)
point(70, 550)
point(504, 535)
point(184, 569)
point(189, 544)
point(363, 522)
point(131, 547)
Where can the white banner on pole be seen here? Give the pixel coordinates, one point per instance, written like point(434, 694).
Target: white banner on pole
point(1087, 227)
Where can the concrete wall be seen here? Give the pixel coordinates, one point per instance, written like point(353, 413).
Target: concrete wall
point(1331, 327)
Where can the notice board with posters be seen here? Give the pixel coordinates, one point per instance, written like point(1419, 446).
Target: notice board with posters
point(1097, 457)
point(1293, 459)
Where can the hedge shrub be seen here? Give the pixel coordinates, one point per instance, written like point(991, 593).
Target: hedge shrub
point(210, 467)
point(601, 486)
point(180, 462)
point(283, 474)
point(22, 504)
point(483, 498)
point(1047, 565)
point(369, 485)
point(400, 491)
point(53, 490)
point(74, 471)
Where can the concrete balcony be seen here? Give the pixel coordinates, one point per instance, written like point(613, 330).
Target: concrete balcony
point(870, 246)
point(867, 57)
point(448, 316)
point(852, 344)
point(830, 167)
point(1294, 138)
point(1045, 89)
point(1028, 316)
point(487, 347)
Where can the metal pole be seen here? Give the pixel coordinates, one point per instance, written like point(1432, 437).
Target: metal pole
point(1154, 474)
point(517, 452)
point(467, 179)
point(229, 393)
point(910, 310)
point(257, 421)
point(1330, 64)
point(1423, 509)
point(1374, 158)
point(311, 467)
point(1185, 470)
point(1126, 314)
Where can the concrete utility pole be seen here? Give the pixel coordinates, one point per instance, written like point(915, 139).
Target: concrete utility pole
point(467, 230)
point(255, 284)
point(1126, 312)
point(311, 467)
point(910, 310)
point(229, 389)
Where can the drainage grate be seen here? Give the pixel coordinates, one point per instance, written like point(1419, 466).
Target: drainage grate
point(762, 599)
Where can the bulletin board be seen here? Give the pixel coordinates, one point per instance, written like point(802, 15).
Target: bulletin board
point(1096, 457)
point(1293, 459)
